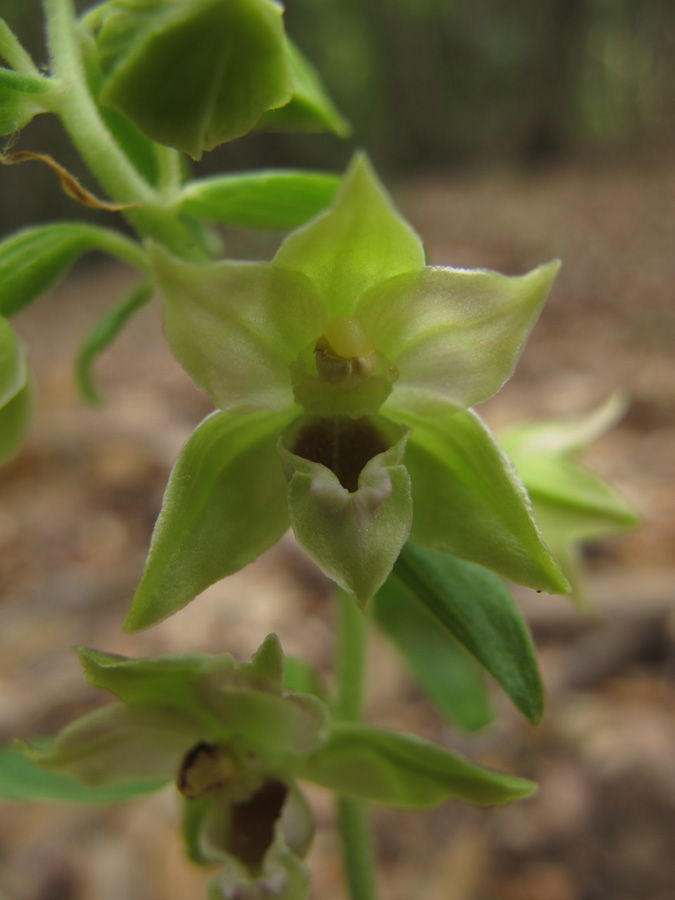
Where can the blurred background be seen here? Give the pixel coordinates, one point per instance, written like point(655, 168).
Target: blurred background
point(509, 134)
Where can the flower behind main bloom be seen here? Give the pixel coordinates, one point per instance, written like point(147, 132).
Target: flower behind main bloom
point(343, 372)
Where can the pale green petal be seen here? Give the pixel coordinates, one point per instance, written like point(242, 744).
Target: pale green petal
point(454, 335)
point(272, 724)
point(224, 505)
point(360, 241)
point(354, 536)
point(120, 743)
point(237, 326)
point(469, 502)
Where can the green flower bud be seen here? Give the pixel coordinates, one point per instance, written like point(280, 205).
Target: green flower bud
point(193, 74)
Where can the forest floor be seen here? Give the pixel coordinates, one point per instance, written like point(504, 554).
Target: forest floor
point(78, 504)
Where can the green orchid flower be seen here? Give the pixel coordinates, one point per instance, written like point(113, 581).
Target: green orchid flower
point(235, 741)
point(571, 504)
point(224, 733)
point(343, 371)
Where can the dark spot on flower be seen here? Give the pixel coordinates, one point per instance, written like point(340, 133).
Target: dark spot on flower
point(252, 824)
point(206, 769)
point(343, 445)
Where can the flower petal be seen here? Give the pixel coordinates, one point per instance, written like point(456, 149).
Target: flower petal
point(236, 326)
point(354, 536)
point(358, 242)
point(469, 502)
point(225, 504)
point(119, 743)
point(453, 334)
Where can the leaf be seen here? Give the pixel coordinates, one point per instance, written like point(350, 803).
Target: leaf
point(103, 334)
point(32, 261)
point(450, 677)
point(403, 770)
point(224, 505)
point(22, 780)
point(20, 99)
point(310, 107)
point(301, 677)
point(273, 198)
point(476, 608)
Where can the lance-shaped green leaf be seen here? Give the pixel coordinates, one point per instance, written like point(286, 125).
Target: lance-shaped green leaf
point(477, 609)
point(21, 98)
point(310, 108)
point(272, 198)
point(224, 505)
point(359, 242)
point(454, 335)
point(13, 371)
point(32, 261)
point(193, 74)
point(15, 419)
point(403, 770)
point(22, 780)
point(103, 334)
point(353, 531)
point(449, 676)
point(470, 503)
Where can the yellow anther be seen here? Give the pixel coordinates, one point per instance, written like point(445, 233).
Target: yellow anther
point(344, 353)
point(347, 338)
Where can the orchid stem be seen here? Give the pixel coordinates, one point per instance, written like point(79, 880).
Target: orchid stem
point(353, 819)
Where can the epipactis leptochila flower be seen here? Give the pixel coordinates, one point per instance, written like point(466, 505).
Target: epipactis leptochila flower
point(343, 371)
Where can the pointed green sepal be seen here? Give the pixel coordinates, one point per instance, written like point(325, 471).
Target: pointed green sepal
point(193, 74)
point(23, 780)
point(236, 327)
point(470, 503)
point(454, 335)
point(118, 743)
point(224, 505)
point(475, 607)
point(360, 241)
point(402, 770)
point(354, 532)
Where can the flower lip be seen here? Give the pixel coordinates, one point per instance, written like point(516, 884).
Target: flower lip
point(342, 445)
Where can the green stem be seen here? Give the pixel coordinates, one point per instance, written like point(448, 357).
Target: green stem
point(97, 146)
point(14, 53)
point(353, 819)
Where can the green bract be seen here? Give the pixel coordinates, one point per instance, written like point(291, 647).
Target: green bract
point(193, 74)
point(342, 371)
point(571, 503)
